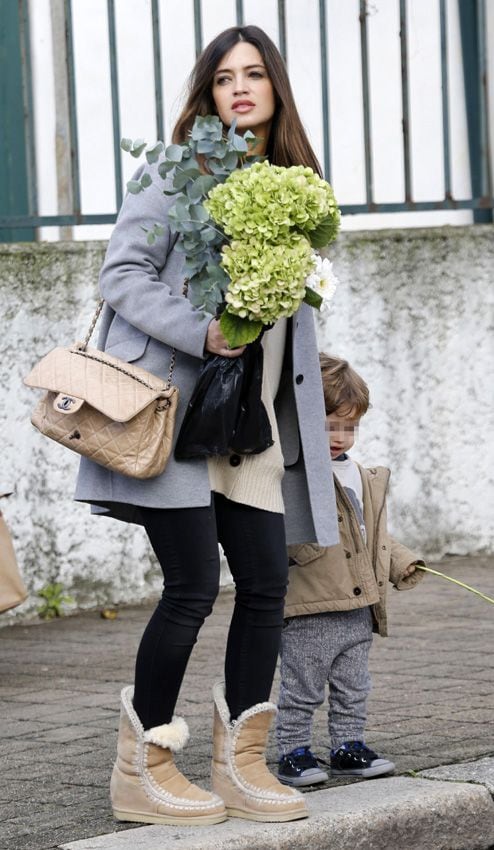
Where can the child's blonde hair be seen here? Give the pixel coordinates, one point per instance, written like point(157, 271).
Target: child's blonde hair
point(343, 388)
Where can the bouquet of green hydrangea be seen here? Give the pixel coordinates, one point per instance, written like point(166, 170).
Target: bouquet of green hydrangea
point(248, 231)
point(275, 216)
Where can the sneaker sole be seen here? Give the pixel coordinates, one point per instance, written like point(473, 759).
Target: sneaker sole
point(299, 781)
point(366, 772)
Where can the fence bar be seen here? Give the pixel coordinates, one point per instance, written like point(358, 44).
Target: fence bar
point(471, 37)
point(485, 163)
point(325, 90)
point(282, 29)
point(369, 177)
point(56, 220)
point(484, 203)
point(74, 136)
point(198, 26)
point(27, 96)
point(158, 84)
point(240, 12)
point(445, 98)
point(405, 100)
point(115, 102)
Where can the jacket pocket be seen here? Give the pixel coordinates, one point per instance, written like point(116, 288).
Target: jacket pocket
point(125, 341)
point(305, 554)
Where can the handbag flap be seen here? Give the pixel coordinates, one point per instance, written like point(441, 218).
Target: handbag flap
point(117, 389)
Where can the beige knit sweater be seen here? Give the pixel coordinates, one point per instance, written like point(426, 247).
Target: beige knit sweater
point(255, 480)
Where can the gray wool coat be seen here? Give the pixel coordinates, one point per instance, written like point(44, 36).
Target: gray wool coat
point(145, 316)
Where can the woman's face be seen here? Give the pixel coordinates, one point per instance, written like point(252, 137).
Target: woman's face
point(243, 91)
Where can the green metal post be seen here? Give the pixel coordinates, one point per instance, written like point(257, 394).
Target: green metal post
point(475, 82)
point(14, 137)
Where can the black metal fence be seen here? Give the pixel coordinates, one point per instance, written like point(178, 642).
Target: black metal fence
point(18, 191)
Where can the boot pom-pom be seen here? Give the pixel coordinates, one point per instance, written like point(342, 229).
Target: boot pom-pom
point(173, 736)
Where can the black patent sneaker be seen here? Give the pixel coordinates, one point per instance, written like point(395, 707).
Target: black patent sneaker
point(354, 758)
point(300, 767)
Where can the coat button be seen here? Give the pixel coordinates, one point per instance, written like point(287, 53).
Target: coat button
point(357, 591)
point(299, 379)
point(380, 583)
point(340, 518)
point(348, 554)
point(234, 460)
point(383, 547)
point(373, 471)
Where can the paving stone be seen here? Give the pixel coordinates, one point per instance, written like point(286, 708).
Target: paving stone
point(481, 772)
point(431, 704)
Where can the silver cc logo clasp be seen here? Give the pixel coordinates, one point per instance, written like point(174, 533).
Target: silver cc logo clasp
point(66, 402)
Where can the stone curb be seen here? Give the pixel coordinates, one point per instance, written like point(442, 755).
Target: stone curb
point(398, 813)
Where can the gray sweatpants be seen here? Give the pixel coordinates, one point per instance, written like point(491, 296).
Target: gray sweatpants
point(332, 647)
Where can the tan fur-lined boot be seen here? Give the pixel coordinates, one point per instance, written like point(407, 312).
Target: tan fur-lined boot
point(146, 787)
point(239, 772)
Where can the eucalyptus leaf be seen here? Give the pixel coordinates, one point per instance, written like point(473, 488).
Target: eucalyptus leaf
point(181, 179)
point(201, 186)
point(205, 146)
point(126, 145)
point(146, 180)
point(219, 150)
point(207, 125)
point(194, 265)
point(217, 168)
point(137, 148)
point(239, 144)
point(230, 161)
point(153, 154)
point(232, 130)
point(134, 187)
point(198, 213)
point(237, 331)
point(174, 153)
point(164, 167)
point(209, 235)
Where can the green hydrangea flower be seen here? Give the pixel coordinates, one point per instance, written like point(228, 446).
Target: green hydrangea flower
point(267, 281)
point(268, 201)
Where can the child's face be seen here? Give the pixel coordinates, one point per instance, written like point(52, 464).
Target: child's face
point(342, 426)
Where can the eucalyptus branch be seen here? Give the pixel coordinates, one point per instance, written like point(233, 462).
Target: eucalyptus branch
point(204, 225)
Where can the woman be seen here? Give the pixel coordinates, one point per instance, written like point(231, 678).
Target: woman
point(237, 501)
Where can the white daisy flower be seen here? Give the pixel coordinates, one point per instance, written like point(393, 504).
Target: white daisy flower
point(323, 280)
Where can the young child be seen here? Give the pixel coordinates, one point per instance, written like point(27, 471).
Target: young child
point(336, 599)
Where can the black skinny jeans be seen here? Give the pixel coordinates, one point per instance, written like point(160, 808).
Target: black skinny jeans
point(185, 541)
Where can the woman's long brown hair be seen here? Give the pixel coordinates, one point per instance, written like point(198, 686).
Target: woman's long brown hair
point(288, 143)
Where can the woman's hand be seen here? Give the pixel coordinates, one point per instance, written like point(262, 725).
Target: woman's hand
point(217, 344)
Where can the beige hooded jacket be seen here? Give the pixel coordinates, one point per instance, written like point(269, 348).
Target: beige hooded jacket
point(352, 574)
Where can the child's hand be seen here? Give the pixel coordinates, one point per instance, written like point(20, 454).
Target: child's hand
point(409, 570)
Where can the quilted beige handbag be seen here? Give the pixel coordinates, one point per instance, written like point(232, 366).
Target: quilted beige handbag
point(12, 589)
point(113, 412)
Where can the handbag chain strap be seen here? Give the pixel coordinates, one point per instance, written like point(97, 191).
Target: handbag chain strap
point(83, 349)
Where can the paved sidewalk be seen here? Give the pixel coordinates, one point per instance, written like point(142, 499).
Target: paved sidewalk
point(432, 705)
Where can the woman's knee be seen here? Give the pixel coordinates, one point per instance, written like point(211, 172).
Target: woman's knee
point(189, 603)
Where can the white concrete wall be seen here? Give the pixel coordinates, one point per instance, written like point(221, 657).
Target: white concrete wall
point(345, 90)
point(414, 313)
